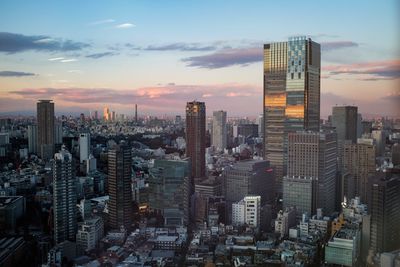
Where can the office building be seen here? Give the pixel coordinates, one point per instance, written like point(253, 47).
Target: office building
point(385, 212)
point(32, 139)
point(219, 134)
point(285, 220)
point(313, 155)
point(45, 129)
point(58, 133)
point(84, 147)
point(345, 120)
point(260, 123)
point(344, 247)
point(196, 138)
point(291, 96)
point(248, 177)
point(90, 232)
point(169, 188)
point(106, 114)
point(64, 197)
point(380, 142)
point(247, 211)
point(245, 130)
point(119, 187)
point(12, 208)
point(299, 192)
point(359, 162)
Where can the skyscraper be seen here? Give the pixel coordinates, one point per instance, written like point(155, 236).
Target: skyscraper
point(32, 138)
point(344, 119)
point(45, 130)
point(64, 195)
point(291, 96)
point(385, 212)
point(313, 155)
point(219, 130)
point(196, 138)
point(359, 162)
point(84, 147)
point(119, 187)
point(106, 114)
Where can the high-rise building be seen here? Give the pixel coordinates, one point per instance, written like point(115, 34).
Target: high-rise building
point(89, 234)
point(248, 129)
point(32, 139)
point(58, 133)
point(359, 162)
point(313, 155)
point(119, 187)
point(219, 130)
point(65, 198)
point(169, 188)
point(248, 177)
point(84, 147)
point(247, 211)
point(385, 212)
point(96, 115)
point(291, 96)
point(344, 119)
point(196, 138)
point(45, 128)
point(106, 114)
point(260, 122)
point(300, 192)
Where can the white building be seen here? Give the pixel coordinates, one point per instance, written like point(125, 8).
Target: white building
point(284, 221)
point(84, 147)
point(90, 232)
point(91, 164)
point(247, 211)
point(219, 130)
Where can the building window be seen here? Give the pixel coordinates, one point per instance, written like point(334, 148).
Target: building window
point(292, 74)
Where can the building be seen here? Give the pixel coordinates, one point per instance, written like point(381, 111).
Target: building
point(380, 141)
point(84, 147)
point(299, 192)
point(12, 208)
point(260, 122)
point(345, 120)
point(58, 133)
point(13, 251)
point(32, 139)
point(247, 211)
point(119, 187)
point(4, 144)
point(169, 188)
point(106, 114)
point(90, 232)
point(385, 212)
point(219, 134)
point(45, 129)
point(285, 220)
point(359, 162)
point(245, 130)
point(344, 247)
point(248, 177)
point(314, 155)
point(64, 197)
point(196, 138)
point(291, 96)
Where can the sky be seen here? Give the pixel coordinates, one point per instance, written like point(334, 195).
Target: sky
point(86, 55)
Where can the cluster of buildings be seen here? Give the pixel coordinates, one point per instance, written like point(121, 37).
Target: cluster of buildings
point(284, 189)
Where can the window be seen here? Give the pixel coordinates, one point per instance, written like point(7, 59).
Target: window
point(292, 74)
point(299, 75)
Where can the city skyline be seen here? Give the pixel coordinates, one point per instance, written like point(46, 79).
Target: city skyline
point(162, 55)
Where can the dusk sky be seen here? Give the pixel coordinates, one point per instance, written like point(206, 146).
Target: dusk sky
point(85, 55)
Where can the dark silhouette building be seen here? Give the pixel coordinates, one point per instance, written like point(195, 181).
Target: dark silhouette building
point(45, 128)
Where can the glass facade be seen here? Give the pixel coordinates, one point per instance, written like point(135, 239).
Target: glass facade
point(291, 96)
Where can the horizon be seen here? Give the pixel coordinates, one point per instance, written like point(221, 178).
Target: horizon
point(119, 56)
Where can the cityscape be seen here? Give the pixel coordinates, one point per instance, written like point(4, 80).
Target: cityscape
point(199, 133)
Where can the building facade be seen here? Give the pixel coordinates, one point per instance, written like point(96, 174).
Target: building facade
point(344, 119)
point(84, 147)
point(291, 96)
point(120, 211)
point(219, 134)
point(64, 197)
point(196, 138)
point(45, 128)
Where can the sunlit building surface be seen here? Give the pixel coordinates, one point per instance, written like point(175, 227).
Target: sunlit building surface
point(291, 96)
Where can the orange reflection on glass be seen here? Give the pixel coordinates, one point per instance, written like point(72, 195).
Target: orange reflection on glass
point(275, 100)
point(296, 111)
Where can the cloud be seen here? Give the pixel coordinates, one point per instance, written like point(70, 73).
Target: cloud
point(100, 55)
point(329, 46)
point(227, 58)
point(125, 26)
point(104, 21)
point(68, 60)
point(14, 43)
point(8, 73)
point(377, 70)
point(55, 59)
point(180, 47)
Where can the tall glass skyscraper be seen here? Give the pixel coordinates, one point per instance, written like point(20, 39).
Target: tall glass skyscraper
point(291, 96)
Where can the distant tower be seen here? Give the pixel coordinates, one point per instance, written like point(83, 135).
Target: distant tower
point(106, 114)
point(64, 195)
point(45, 130)
point(219, 130)
point(136, 118)
point(196, 138)
point(119, 187)
point(344, 119)
point(84, 147)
